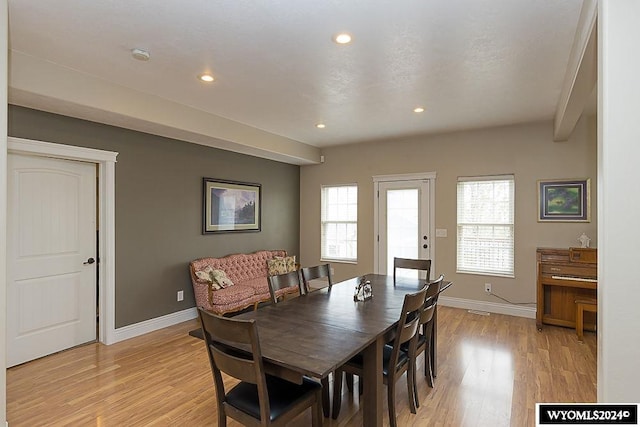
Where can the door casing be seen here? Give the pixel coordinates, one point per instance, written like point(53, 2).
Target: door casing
point(106, 161)
point(377, 180)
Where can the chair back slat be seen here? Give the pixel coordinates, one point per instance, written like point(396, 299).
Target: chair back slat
point(412, 264)
point(433, 287)
point(315, 272)
point(282, 281)
point(410, 316)
point(427, 312)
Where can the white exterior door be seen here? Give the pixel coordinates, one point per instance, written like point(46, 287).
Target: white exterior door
point(51, 256)
point(403, 226)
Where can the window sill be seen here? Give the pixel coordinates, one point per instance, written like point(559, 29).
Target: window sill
point(479, 273)
point(339, 261)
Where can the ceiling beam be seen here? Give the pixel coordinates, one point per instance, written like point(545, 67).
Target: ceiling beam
point(581, 75)
point(44, 85)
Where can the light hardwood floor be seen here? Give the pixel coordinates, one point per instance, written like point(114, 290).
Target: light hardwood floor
point(492, 370)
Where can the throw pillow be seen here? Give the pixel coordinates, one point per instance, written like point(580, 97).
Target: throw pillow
point(220, 277)
point(217, 279)
point(281, 265)
point(205, 276)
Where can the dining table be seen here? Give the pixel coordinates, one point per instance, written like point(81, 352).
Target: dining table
point(315, 333)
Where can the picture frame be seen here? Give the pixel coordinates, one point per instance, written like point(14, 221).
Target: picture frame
point(564, 200)
point(230, 206)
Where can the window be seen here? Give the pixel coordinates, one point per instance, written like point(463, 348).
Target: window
point(485, 225)
point(339, 238)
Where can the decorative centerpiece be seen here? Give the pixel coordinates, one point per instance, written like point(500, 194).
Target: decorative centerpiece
point(363, 290)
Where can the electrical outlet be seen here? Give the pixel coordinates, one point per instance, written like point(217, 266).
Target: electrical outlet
point(180, 295)
point(487, 288)
point(333, 271)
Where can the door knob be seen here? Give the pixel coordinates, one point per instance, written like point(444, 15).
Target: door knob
point(89, 261)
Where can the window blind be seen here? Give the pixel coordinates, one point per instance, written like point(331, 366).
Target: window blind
point(485, 212)
point(339, 219)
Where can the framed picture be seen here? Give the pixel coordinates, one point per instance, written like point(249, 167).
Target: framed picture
point(230, 206)
point(566, 200)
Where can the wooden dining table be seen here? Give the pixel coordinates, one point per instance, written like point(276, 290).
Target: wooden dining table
point(316, 333)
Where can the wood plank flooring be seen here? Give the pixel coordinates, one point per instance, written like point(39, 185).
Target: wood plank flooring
point(491, 372)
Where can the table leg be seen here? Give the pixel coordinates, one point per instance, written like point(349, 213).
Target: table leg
point(373, 384)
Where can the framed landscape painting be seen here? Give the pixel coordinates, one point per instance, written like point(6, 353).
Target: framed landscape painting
point(564, 200)
point(230, 206)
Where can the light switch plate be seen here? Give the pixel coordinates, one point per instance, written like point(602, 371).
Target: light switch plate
point(441, 232)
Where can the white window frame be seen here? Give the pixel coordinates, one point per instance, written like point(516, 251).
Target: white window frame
point(342, 220)
point(495, 244)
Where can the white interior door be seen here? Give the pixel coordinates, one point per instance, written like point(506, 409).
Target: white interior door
point(403, 224)
point(51, 268)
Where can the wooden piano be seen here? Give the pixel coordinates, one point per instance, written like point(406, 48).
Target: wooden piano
point(565, 275)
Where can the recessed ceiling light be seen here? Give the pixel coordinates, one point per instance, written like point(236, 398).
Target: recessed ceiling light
point(140, 54)
point(208, 78)
point(321, 126)
point(418, 110)
point(342, 38)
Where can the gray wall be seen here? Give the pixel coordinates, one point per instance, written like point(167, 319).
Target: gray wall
point(159, 207)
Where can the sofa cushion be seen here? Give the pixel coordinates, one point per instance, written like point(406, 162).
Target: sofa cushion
point(232, 294)
point(281, 265)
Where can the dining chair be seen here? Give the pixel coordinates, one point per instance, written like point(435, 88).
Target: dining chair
point(283, 284)
point(412, 264)
point(315, 272)
point(425, 332)
point(395, 362)
point(258, 399)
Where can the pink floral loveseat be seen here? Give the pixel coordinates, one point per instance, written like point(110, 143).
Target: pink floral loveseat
point(247, 272)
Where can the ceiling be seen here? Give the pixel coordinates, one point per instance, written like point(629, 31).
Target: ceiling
point(469, 63)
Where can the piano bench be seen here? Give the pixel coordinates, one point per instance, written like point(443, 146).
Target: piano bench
point(582, 305)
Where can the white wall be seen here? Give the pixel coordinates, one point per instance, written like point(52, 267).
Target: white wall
point(618, 234)
point(4, 24)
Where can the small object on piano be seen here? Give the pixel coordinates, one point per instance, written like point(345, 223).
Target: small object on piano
point(584, 240)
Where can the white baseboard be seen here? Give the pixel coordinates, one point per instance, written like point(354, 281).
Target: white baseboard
point(151, 325)
point(491, 307)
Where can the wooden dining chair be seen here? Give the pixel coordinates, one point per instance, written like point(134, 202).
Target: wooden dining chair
point(315, 272)
point(422, 340)
point(284, 284)
point(395, 362)
point(307, 274)
point(412, 264)
point(281, 285)
point(233, 347)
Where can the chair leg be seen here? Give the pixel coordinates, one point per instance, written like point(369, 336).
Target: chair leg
point(326, 403)
point(412, 391)
point(391, 402)
point(349, 380)
point(428, 363)
point(222, 418)
point(337, 393)
point(427, 368)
